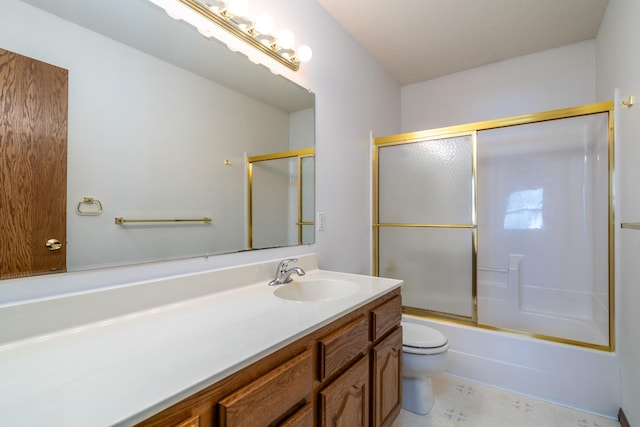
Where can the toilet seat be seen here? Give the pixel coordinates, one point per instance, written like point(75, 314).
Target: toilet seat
point(421, 339)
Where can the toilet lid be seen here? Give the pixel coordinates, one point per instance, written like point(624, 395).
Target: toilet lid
point(421, 336)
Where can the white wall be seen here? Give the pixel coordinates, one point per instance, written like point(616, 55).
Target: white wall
point(618, 66)
point(549, 80)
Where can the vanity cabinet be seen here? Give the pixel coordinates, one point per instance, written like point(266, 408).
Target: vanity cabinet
point(348, 373)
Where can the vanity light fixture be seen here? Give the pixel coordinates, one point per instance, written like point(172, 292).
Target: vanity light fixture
point(231, 15)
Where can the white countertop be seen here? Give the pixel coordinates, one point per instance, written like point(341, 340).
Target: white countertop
point(124, 369)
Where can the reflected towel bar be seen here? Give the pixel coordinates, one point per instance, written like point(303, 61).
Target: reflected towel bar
point(122, 221)
point(631, 225)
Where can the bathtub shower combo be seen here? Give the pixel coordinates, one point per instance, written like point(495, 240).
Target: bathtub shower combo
point(504, 224)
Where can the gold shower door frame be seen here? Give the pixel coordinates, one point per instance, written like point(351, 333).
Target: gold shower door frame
point(299, 155)
point(471, 130)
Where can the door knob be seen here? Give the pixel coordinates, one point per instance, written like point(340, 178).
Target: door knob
point(53, 244)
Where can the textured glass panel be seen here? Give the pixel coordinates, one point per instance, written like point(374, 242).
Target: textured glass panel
point(308, 184)
point(427, 182)
point(543, 228)
point(435, 264)
point(271, 191)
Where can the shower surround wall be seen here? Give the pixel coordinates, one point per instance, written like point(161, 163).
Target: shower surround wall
point(558, 78)
point(543, 228)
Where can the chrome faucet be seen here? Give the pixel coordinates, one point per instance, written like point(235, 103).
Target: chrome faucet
point(283, 275)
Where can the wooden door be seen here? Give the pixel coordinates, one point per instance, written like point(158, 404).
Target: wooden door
point(33, 166)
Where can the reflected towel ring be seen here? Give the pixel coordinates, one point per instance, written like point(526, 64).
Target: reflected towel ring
point(89, 201)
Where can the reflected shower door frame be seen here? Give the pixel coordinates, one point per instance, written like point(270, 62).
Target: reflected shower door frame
point(304, 175)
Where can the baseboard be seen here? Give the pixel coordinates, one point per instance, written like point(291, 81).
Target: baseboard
point(624, 422)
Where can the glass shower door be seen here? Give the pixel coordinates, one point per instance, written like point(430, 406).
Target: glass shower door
point(425, 231)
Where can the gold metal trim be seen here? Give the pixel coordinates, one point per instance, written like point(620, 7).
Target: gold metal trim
point(303, 152)
point(548, 338)
point(439, 315)
point(249, 204)
point(471, 129)
point(425, 225)
point(611, 154)
point(300, 154)
point(299, 193)
point(122, 221)
point(375, 212)
point(631, 225)
point(199, 8)
point(450, 131)
point(474, 221)
point(457, 320)
point(89, 201)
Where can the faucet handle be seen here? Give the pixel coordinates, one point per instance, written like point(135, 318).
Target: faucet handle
point(285, 263)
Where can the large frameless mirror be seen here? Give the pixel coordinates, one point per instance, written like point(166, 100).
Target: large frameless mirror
point(160, 123)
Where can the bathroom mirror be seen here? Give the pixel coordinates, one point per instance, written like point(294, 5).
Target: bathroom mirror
point(160, 124)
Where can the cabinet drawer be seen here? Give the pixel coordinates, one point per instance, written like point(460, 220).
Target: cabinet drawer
point(342, 346)
point(385, 317)
point(271, 395)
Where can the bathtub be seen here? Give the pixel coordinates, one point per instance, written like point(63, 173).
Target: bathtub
point(568, 375)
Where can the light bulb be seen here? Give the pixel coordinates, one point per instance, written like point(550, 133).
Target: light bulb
point(237, 7)
point(263, 24)
point(285, 39)
point(304, 53)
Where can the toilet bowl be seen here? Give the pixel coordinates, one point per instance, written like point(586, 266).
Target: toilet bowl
point(424, 355)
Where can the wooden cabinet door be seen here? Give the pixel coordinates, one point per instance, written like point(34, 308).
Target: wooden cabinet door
point(345, 402)
point(33, 166)
point(387, 379)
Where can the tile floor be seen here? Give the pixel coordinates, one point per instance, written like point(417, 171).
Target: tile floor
point(467, 404)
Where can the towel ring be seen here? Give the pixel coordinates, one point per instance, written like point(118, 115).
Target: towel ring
point(89, 201)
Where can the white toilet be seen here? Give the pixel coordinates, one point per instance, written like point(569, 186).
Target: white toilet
point(424, 355)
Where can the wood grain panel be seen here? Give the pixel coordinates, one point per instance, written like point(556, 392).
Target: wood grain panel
point(33, 165)
point(386, 317)
point(191, 422)
point(342, 346)
point(271, 395)
point(387, 379)
point(302, 418)
point(345, 402)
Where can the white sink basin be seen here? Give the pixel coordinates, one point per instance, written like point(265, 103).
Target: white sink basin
point(316, 290)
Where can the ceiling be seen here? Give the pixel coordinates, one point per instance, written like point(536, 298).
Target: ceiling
point(418, 40)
